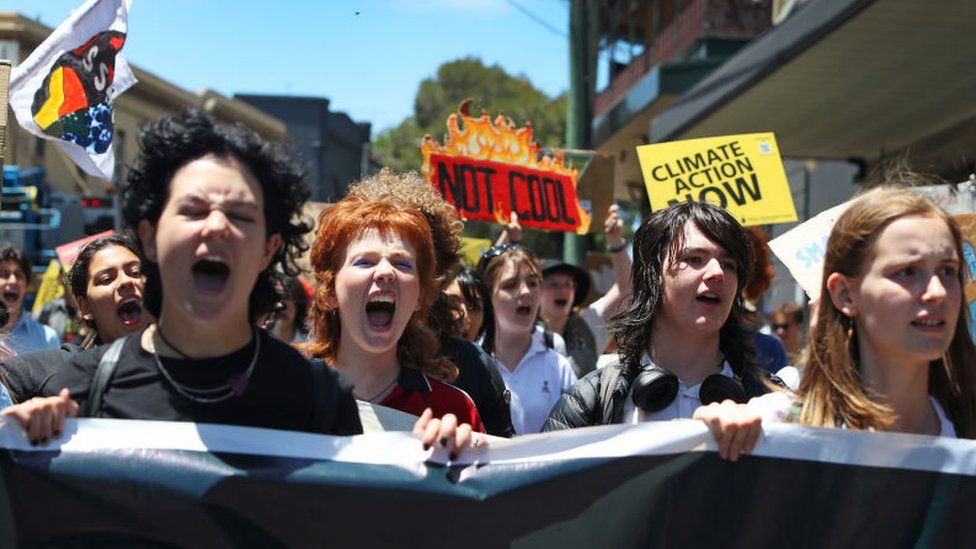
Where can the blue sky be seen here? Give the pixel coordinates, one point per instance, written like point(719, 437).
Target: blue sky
point(367, 56)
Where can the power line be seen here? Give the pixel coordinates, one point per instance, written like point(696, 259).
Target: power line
point(537, 19)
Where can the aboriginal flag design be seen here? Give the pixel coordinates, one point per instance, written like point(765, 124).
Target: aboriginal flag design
point(73, 101)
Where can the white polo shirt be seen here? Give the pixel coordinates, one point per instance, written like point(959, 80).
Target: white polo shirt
point(683, 406)
point(536, 384)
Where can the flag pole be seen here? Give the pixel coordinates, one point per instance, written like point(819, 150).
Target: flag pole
point(4, 89)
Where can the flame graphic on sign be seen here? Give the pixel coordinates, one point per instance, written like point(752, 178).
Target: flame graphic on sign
point(501, 141)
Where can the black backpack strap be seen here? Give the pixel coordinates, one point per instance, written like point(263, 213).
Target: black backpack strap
point(322, 397)
point(103, 374)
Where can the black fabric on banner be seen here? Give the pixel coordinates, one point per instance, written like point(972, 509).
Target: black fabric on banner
point(195, 499)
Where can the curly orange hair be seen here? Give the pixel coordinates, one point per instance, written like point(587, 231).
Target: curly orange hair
point(339, 225)
point(762, 269)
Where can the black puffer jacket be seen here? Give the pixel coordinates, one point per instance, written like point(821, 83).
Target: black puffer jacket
point(599, 398)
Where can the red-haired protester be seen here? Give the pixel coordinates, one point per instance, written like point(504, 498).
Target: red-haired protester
point(374, 263)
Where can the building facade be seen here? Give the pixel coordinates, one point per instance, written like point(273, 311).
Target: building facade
point(332, 145)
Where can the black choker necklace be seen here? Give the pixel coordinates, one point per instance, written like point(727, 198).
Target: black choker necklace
point(159, 330)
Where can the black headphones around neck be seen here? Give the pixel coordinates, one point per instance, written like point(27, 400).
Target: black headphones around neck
point(655, 388)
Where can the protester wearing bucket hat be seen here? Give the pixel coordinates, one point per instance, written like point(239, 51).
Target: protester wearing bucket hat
point(565, 287)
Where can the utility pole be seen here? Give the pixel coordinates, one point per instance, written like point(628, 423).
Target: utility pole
point(583, 25)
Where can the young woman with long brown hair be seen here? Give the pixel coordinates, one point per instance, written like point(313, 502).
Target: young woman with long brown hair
point(889, 349)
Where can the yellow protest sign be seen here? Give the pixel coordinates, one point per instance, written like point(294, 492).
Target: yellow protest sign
point(50, 287)
point(472, 248)
point(742, 173)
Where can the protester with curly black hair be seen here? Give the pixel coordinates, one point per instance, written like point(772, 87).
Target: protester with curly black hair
point(217, 212)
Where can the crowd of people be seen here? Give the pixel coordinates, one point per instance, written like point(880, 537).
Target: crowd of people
point(198, 311)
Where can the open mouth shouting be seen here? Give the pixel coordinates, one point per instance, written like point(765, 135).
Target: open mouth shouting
point(380, 308)
point(523, 310)
point(129, 311)
point(11, 298)
point(561, 303)
point(210, 275)
point(709, 297)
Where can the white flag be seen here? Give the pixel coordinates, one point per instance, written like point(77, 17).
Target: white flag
point(64, 90)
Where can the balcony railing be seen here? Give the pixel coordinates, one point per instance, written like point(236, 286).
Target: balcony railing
point(675, 38)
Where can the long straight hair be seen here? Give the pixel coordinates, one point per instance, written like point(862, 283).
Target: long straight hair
point(831, 391)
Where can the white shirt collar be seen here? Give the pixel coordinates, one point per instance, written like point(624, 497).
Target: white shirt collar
point(538, 345)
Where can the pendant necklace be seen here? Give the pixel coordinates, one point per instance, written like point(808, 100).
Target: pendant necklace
point(235, 385)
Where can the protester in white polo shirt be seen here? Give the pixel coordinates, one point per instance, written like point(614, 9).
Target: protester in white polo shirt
point(535, 375)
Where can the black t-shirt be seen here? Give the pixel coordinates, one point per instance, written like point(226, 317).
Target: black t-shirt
point(280, 393)
point(478, 377)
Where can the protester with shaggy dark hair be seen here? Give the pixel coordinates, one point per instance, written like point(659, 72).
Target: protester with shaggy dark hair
point(681, 339)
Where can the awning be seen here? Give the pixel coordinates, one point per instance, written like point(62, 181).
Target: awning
point(847, 78)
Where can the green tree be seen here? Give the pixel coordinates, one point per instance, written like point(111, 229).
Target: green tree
point(492, 89)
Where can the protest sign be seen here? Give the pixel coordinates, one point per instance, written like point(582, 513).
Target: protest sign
point(954, 199)
point(594, 189)
point(65, 88)
point(50, 287)
point(741, 173)
point(489, 169)
point(967, 225)
point(472, 248)
point(802, 248)
point(67, 253)
point(135, 483)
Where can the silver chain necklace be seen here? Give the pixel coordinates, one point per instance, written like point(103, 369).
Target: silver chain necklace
point(234, 387)
point(383, 391)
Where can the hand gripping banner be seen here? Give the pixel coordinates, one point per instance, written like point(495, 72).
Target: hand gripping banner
point(124, 483)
